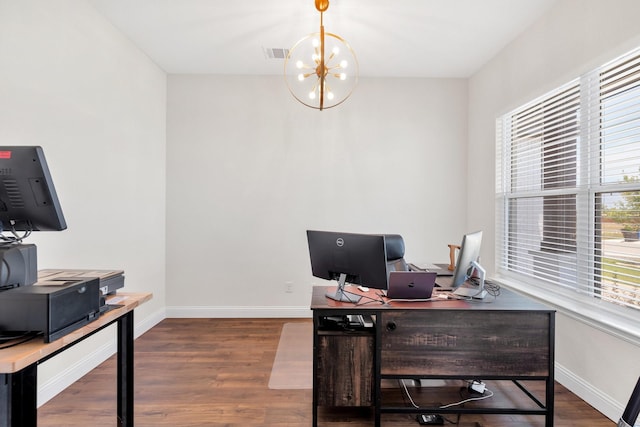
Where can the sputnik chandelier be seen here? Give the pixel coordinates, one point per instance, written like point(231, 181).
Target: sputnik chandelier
point(321, 70)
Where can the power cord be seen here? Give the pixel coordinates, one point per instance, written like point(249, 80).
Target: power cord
point(435, 419)
point(14, 238)
point(492, 288)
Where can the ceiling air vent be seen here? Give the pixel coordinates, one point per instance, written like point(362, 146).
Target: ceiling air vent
point(275, 52)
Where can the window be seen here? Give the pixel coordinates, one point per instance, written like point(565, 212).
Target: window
point(568, 186)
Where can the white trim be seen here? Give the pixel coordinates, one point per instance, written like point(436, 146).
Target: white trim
point(148, 322)
point(87, 363)
point(238, 312)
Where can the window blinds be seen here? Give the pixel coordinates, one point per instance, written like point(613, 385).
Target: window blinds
point(568, 185)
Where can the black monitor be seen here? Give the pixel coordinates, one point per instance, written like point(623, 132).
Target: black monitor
point(28, 202)
point(360, 259)
point(28, 199)
point(466, 263)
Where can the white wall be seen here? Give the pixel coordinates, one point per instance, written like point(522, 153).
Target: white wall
point(574, 37)
point(249, 169)
point(73, 84)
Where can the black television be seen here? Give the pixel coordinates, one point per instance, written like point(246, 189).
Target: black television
point(467, 262)
point(359, 259)
point(28, 202)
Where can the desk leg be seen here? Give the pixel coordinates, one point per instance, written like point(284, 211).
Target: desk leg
point(550, 403)
point(18, 398)
point(316, 324)
point(125, 370)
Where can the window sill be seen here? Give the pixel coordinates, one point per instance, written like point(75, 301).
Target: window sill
point(619, 321)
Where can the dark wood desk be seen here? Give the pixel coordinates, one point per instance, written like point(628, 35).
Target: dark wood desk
point(509, 338)
point(19, 366)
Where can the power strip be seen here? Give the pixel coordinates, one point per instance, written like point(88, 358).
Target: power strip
point(477, 387)
point(430, 419)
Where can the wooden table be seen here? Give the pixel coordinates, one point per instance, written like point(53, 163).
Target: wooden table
point(509, 338)
point(18, 364)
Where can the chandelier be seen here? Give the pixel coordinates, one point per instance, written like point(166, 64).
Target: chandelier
point(321, 70)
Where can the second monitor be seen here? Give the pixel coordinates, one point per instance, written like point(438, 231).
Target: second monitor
point(466, 264)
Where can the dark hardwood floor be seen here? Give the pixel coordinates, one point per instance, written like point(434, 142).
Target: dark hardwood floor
point(215, 372)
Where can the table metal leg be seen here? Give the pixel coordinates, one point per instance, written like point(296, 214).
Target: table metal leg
point(19, 398)
point(316, 325)
point(550, 402)
point(125, 370)
point(5, 400)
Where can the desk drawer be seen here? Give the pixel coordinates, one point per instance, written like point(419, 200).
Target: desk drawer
point(345, 372)
point(465, 342)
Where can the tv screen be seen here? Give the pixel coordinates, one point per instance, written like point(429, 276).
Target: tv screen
point(28, 199)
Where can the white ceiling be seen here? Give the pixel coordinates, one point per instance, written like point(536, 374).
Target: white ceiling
point(391, 38)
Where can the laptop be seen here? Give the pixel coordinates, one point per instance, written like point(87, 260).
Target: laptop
point(411, 284)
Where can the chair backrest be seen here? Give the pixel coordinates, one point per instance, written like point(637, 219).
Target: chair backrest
point(395, 253)
point(632, 410)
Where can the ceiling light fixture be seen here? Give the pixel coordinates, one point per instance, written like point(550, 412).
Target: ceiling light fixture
point(321, 70)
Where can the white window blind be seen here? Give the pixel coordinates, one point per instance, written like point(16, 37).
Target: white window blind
point(568, 186)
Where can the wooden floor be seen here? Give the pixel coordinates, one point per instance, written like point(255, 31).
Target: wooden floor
point(215, 372)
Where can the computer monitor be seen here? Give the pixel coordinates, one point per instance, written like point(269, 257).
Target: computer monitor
point(28, 199)
point(28, 202)
point(359, 259)
point(466, 263)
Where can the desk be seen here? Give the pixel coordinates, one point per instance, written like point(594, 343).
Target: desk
point(18, 366)
point(510, 338)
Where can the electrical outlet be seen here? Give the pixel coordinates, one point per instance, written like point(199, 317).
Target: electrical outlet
point(288, 287)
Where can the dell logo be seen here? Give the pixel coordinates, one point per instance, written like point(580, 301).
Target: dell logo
point(340, 242)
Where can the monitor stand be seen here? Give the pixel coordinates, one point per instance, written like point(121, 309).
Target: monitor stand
point(341, 294)
point(474, 292)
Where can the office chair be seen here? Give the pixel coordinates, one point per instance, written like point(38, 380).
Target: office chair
point(632, 410)
point(395, 253)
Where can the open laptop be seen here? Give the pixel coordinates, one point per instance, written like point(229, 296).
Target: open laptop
point(411, 284)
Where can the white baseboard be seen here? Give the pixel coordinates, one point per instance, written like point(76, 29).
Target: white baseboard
point(238, 312)
point(87, 363)
point(602, 402)
point(149, 322)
